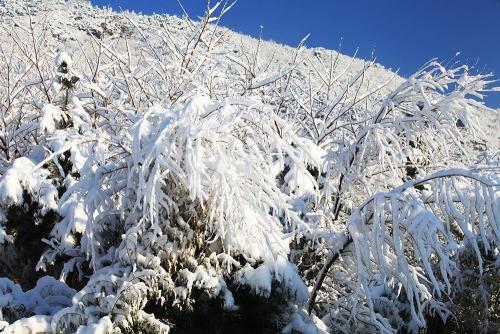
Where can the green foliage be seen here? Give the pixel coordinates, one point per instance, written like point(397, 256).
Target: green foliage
point(28, 227)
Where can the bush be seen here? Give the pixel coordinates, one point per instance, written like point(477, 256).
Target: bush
point(183, 182)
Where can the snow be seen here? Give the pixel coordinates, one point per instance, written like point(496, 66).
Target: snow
point(188, 158)
point(22, 176)
point(47, 297)
point(104, 326)
point(260, 279)
point(44, 300)
point(51, 115)
point(34, 324)
point(62, 58)
point(303, 323)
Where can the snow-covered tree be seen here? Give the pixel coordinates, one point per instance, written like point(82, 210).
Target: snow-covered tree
point(159, 179)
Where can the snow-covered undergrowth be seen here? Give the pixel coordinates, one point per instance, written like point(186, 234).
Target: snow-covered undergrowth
point(152, 170)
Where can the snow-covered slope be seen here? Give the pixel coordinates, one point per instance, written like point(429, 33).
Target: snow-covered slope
point(74, 24)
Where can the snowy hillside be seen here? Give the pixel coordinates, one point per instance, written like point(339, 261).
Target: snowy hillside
point(164, 175)
point(76, 23)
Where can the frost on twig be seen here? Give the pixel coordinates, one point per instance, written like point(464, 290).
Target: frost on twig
point(172, 169)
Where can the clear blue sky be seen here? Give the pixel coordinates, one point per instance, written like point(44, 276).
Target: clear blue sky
point(403, 33)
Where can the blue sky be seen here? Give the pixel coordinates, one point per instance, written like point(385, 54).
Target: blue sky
point(404, 34)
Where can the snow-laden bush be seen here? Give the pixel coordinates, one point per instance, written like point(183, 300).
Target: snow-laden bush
point(184, 177)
